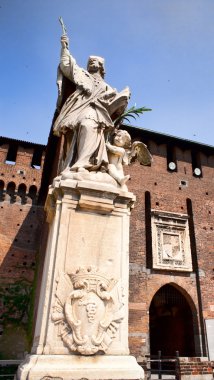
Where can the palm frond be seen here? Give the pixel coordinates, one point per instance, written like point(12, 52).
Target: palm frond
point(131, 113)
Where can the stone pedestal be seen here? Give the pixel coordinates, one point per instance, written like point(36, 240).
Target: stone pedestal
point(82, 322)
point(73, 367)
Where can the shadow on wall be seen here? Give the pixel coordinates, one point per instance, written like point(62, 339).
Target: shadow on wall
point(21, 224)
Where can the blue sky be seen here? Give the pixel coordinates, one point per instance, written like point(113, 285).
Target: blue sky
point(162, 49)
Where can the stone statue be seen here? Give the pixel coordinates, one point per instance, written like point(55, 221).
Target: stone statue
point(118, 156)
point(81, 330)
point(87, 115)
point(123, 152)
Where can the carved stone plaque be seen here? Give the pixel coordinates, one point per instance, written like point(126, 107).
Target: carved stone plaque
point(170, 241)
point(88, 310)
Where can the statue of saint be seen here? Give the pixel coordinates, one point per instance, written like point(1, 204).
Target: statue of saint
point(87, 114)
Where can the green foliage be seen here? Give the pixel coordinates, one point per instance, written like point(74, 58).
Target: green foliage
point(15, 300)
point(17, 317)
point(14, 341)
point(132, 112)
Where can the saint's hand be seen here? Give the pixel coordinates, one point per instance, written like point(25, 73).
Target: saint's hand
point(64, 41)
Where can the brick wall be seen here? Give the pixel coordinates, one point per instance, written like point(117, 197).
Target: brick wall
point(195, 367)
point(169, 191)
point(178, 191)
point(21, 224)
point(156, 188)
point(184, 368)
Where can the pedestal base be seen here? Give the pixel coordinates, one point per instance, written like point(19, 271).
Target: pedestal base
point(66, 367)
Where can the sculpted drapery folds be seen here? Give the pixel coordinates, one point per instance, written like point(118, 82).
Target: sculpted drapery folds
point(87, 112)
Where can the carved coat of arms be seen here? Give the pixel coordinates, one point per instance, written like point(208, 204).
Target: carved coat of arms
point(88, 310)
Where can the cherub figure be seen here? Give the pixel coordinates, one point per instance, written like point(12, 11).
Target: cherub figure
point(118, 157)
point(123, 152)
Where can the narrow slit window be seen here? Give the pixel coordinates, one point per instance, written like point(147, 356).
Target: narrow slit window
point(196, 164)
point(37, 159)
point(11, 155)
point(171, 159)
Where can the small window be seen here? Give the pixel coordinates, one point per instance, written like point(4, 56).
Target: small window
point(21, 172)
point(184, 183)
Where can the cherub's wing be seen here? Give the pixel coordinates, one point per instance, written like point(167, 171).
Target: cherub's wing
point(140, 152)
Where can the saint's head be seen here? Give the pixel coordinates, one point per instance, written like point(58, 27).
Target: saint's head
point(96, 64)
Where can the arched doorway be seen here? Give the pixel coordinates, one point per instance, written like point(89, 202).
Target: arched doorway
point(171, 323)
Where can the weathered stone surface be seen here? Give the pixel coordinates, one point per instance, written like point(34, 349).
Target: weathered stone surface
point(89, 230)
point(170, 241)
point(87, 115)
point(83, 307)
point(73, 367)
